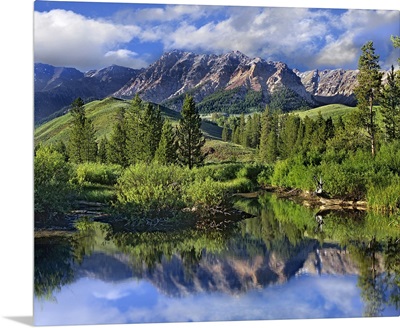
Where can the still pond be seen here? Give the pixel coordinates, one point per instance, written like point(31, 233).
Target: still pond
point(281, 263)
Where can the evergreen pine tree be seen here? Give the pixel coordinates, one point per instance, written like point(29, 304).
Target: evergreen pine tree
point(166, 151)
point(329, 129)
point(255, 130)
point(236, 134)
point(367, 91)
point(390, 105)
point(288, 135)
point(60, 147)
point(117, 145)
point(247, 132)
point(82, 146)
point(309, 127)
point(396, 43)
point(266, 128)
point(272, 152)
point(152, 123)
point(225, 133)
point(190, 139)
point(318, 138)
point(241, 130)
point(134, 131)
point(102, 151)
point(143, 126)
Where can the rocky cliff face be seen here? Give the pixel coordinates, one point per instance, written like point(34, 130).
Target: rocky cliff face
point(178, 72)
point(331, 86)
point(168, 79)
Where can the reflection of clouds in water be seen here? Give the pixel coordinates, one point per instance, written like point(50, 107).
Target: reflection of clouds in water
point(95, 302)
point(342, 293)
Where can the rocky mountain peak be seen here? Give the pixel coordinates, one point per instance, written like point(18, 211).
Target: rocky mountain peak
point(177, 72)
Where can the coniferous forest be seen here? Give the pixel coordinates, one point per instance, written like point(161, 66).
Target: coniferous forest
point(150, 168)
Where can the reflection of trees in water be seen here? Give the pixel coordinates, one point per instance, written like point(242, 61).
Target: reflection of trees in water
point(281, 227)
point(370, 278)
point(53, 266)
point(373, 243)
point(392, 265)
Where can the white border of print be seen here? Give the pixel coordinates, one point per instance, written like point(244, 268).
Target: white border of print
point(16, 134)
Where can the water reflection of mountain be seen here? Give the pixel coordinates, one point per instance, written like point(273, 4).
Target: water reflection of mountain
point(232, 272)
point(281, 242)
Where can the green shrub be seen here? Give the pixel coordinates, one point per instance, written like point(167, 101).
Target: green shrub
point(206, 194)
point(151, 189)
point(281, 171)
point(225, 172)
point(351, 178)
point(385, 199)
point(264, 177)
point(389, 156)
point(51, 183)
point(301, 177)
point(250, 171)
point(97, 173)
point(239, 185)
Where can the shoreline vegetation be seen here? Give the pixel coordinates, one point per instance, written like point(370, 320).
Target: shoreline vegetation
point(153, 171)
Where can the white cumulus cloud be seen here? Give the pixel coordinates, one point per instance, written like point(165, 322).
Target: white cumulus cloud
point(64, 38)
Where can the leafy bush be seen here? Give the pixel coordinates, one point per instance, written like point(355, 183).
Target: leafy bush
point(389, 156)
point(294, 174)
point(281, 171)
point(250, 171)
point(206, 194)
point(264, 177)
point(51, 183)
point(151, 189)
point(226, 172)
point(97, 173)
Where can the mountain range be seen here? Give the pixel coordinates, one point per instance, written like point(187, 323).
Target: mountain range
point(232, 81)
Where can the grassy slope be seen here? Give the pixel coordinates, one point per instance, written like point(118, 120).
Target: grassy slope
point(228, 152)
point(103, 113)
point(334, 111)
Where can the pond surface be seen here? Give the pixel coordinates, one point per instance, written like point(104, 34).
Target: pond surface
point(280, 264)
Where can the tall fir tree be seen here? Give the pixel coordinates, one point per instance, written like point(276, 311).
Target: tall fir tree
point(117, 145)
point(255, 131)
point(241, 130)
point(134, 132)
point(225, 133)
point(190, 138)
point(82, 145)
point(390, 105)
point(288, 135)
point(266, 127)
point(309, 128)
point(396, 43)
point(268, 145)
point(166, 151)
point(318, 138)
point(144, 124)
point(102, 151)
point(247, 132)
point(367, 91)
point(152, 123)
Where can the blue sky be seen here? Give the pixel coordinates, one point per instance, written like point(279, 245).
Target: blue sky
point(89, 301)
point(94, 35)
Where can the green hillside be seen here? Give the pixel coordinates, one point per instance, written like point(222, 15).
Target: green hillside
point(333, 111)
point(103, 113)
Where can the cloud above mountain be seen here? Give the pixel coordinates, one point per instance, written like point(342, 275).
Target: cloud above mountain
point(136, 35)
